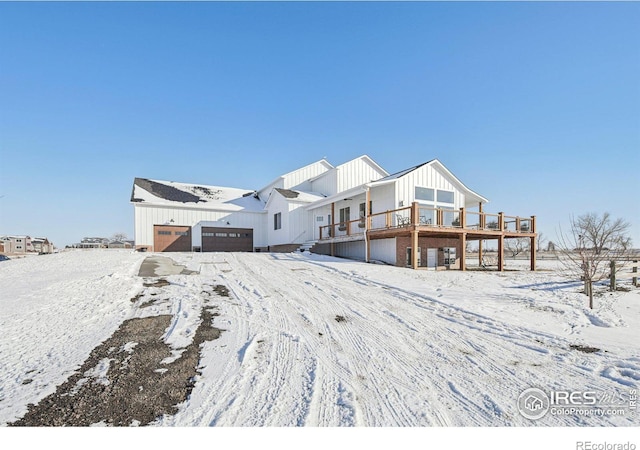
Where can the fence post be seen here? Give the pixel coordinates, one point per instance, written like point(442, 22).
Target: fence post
point(612, 276)
point(635, 271)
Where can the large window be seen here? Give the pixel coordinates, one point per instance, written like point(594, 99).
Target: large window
point(424, 194)
point(277, 221)
point(445, 196)
point(429, 195)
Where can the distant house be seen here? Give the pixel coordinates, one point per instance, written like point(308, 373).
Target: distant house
point(120, 244)
point(24, 245)
point(92, 242)
point(42, 245)
point(17, 244)
point(422, 216)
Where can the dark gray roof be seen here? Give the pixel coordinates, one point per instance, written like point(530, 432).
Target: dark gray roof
point(166, 192)
point(288, 193)
point(402, 173)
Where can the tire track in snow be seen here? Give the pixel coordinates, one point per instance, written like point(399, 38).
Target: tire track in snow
point(400, 358)
point(534, 356)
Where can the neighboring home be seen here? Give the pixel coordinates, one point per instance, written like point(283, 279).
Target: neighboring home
point(25, 244)
point(42, 245)
point(16, 244)
point(92, 242)
point(355, 210)
point(120, 244)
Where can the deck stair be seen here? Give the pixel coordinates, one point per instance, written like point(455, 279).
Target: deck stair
point(307, 246)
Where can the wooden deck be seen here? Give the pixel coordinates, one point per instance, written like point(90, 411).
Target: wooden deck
point(418, 221)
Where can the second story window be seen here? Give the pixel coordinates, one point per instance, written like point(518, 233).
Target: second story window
point(277, 221)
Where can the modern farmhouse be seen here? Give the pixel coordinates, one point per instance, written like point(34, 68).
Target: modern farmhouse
point(355, 210)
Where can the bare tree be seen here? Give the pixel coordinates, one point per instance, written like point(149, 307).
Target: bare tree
point(540, 241)
point(516, 246)
point(119, 236)
point(592, 242)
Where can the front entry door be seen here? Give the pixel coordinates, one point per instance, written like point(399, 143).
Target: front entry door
point(432, 257)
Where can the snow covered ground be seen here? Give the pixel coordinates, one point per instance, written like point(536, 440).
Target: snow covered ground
point(311, 340)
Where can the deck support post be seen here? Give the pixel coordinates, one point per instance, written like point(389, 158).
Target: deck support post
point(501, 252)
point(480, 241)
point(532, 244)
point(463, 252)
point(333, 228)
point(367, 226)
point(414, 248)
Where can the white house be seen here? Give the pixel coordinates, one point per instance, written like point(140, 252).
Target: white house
point(355, 210)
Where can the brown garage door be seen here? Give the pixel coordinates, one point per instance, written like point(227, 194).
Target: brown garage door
point(227, 239)
point(171, 238)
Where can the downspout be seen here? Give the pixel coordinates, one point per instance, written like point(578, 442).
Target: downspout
point(367, 213)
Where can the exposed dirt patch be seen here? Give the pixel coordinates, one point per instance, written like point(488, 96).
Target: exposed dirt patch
point(124, 382)
point(221, 290)
point(341, 319)
point(584, 348)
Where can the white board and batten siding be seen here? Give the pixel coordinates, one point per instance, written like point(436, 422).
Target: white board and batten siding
point(426, 176)
point(297, 179)
point(356, 173)
point(383, 198)
point(148, 216)
point(326, 183)
point(347, 176)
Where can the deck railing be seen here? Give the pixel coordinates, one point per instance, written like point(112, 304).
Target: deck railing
point(422, 216)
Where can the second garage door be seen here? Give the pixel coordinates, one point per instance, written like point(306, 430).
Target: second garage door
point(227, 239)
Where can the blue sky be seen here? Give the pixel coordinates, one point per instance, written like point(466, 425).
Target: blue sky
point(535, 106)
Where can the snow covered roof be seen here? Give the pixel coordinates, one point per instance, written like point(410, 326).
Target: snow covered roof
point(299, 196)
point(168, 193)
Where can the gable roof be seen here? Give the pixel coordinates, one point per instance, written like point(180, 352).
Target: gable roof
point(436, 163)
point(322, 162)
point(295, 196)
point(170, 193)
point(364, 158)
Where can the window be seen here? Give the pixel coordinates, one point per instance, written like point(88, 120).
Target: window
point(164, 232)
point(320, 219)
point(345, 214)
point(424, 194)
point(277, 221)
point(181, 233)
point(445, 196)
point(221, 234)
point(363, 210)
point(208, 234)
